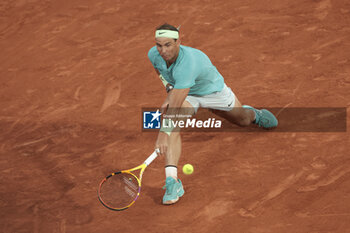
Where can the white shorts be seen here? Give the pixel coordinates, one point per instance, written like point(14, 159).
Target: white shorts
point(223, 100)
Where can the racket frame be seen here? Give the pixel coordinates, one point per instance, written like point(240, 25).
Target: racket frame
point(141, 167)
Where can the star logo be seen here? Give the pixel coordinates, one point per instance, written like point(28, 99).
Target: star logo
point(151, 119)
point(155, 115)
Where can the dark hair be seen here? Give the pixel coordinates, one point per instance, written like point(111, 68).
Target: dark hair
point(167, 26)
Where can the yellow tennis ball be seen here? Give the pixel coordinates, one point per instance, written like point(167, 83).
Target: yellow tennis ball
point(187, 169)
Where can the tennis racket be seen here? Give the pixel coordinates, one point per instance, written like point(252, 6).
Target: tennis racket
point(119, 190)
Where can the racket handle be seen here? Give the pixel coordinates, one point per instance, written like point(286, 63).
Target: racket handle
point(152, 157)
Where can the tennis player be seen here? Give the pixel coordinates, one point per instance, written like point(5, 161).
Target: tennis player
point(192, 81)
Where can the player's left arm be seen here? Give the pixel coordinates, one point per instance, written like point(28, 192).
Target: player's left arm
point(176, 98)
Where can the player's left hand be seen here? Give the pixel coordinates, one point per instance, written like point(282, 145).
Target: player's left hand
point(162, 143)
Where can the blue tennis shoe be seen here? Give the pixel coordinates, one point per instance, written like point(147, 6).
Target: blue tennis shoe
point(263, 118)
point(174, 190)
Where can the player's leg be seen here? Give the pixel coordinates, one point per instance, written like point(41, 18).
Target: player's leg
point(238, 115)
point(173, 185)
point(242, 115)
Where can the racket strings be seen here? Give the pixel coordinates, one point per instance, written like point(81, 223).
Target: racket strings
point(119, 190)
point(130, 188)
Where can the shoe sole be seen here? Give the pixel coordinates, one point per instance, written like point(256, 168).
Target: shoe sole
point(170, 202)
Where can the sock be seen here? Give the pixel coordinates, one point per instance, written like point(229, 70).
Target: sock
point(256, 118)
point(171, 170)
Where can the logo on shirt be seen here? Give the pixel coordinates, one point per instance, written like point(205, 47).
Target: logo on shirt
point(151, 120)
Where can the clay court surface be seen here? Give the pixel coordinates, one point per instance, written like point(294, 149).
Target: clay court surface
point(74, 78)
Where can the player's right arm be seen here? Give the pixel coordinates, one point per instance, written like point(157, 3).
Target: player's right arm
point(157, 71)
point(153, 56)
point(168, 87)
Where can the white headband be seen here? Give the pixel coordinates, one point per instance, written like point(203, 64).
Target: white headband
point(167, 33)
